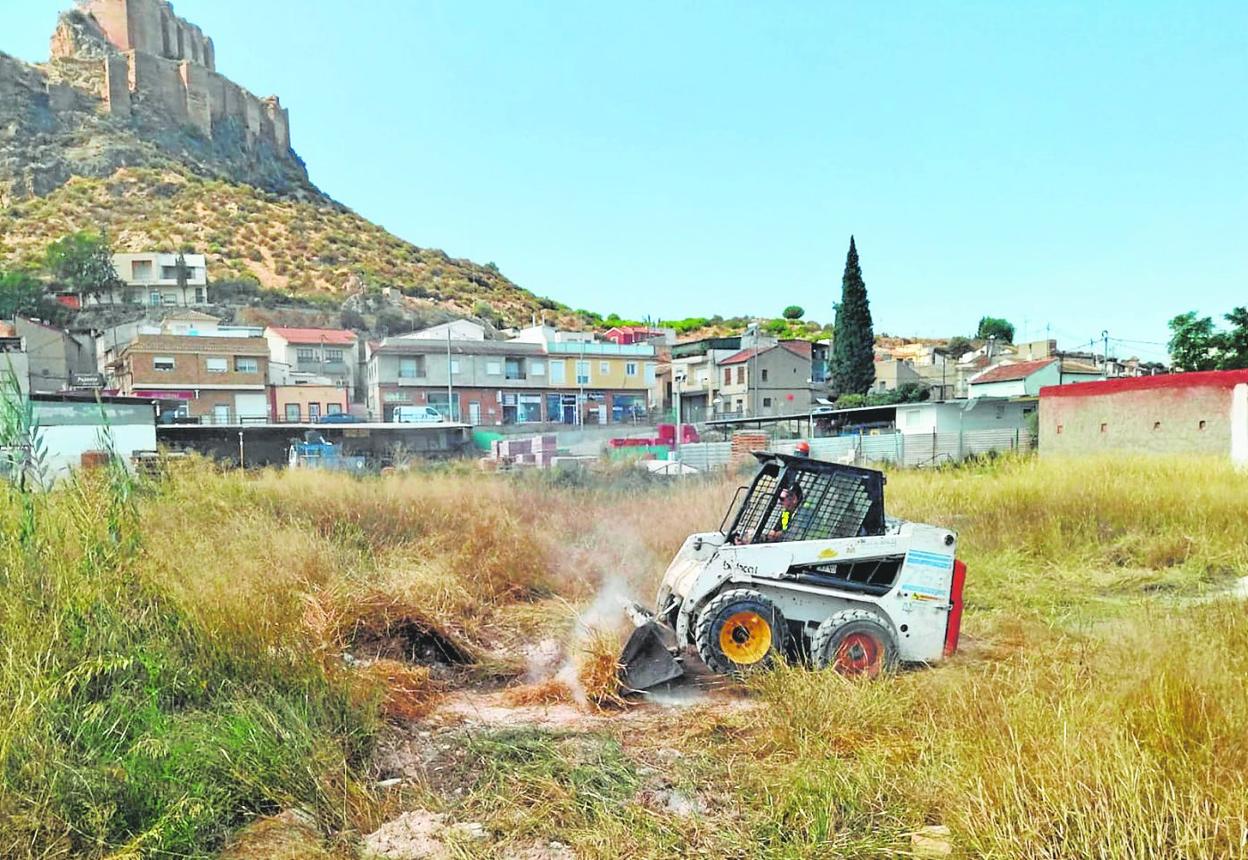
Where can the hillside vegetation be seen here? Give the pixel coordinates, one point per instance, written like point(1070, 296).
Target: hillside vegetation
point(301, 246)
point(173, 672)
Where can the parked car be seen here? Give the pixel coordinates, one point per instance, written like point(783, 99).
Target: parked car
point(341, 418)
point(416, 415)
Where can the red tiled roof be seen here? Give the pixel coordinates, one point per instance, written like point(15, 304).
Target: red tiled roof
point(1201, 379)
point(331, 336)
point(1008, 372)
point(747, 354)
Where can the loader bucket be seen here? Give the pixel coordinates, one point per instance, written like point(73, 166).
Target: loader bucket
point(647, 659)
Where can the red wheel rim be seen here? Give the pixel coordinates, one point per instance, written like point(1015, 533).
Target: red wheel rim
point(859, 654)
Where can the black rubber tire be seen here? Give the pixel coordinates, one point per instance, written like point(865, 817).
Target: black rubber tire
point(712, 618)
point(827, 640)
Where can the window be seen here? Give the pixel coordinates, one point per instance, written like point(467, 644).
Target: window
point(171, 298)
point(764, 375)
point(216, 365)
point(529, 409)
point(305, 353)
point(740, 374)
point(1059, 429)
point(604, 367)
point(537, 368)
point(557, 371)
point(766, 402)
point(1202, 425)
point(201, 296)
point(514, 368)
point(246, 365)
point(582, 373)
point(630, 368)
point(493, 368)
point(1104, 428)
point(292, 413)
point(412, 367)
point(168, 273)
point(141, 270)
point(727, 376)
point(153, 298)
point(162, 362)
point(333, 408)
point(1156, 425)
point(314, 412)
point(333, 355)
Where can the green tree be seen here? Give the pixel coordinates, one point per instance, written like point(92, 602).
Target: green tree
point(794, 312)
point(958, 346)
point(853, 346)
point(1193, 343)
point(1233, 344)
point(20, 294)
point(82, 263)
point(996, 327)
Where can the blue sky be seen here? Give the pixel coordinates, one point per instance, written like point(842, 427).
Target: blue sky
point(1080, 166)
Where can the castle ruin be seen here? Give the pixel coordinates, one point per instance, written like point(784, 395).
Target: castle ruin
point(160, 62)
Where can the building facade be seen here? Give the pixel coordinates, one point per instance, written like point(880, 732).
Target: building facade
point(311, 355)
point(309, 403)
point(1181, 413)
point(153, 280)
point(765, 381)
point(537, 381)
point(218, 380)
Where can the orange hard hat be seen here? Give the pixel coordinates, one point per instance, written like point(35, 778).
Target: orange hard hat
point(803, 447)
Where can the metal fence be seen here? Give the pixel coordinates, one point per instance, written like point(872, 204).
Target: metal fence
point(905, 449)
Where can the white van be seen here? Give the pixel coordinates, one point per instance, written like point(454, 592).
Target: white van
point(416, 415)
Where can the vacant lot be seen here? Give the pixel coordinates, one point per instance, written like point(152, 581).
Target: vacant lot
point(280, 665)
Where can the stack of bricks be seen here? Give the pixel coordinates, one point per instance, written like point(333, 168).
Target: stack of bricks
point(535, 451)
point(745, 442)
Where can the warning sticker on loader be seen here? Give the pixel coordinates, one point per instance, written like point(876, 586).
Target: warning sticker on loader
point(926, 575)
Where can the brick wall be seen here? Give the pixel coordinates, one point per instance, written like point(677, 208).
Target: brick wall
point(191, 370)
point(1179, 414)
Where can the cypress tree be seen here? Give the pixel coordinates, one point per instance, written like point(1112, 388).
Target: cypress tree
point(853, 346)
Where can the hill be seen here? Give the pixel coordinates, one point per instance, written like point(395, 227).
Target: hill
point(162, 152)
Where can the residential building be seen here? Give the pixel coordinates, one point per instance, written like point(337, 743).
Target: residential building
point(765, 380)
point(545, 378)
point(296, 354)
point(456, 329)
point(695, 373)
point(219, 380)
point(13, 361)
point(306, 402)
point(631, 334)
point(1180, 413)
point(57, 360)
point(892, 373)
point(153, 279)
point(1026, 378)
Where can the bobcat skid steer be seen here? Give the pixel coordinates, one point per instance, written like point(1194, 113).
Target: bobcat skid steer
point(805, 566)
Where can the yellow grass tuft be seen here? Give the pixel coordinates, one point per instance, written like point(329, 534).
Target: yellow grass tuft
point(552, 691)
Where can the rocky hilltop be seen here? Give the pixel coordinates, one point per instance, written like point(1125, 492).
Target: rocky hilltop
point(129, 127)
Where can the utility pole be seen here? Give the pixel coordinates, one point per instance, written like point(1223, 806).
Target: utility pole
point(678, 379)
point(450, 391)
point(1105, 355)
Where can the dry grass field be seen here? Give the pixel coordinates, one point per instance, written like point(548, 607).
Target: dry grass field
point(281, 664)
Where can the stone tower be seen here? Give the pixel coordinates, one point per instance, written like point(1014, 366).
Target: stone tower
point(161, 63)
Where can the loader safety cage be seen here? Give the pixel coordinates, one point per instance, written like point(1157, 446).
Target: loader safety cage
point(837, 501)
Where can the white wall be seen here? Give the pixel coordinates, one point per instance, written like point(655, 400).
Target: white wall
point(65, 445)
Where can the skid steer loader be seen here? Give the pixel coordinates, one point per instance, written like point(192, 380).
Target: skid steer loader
point(805, 566)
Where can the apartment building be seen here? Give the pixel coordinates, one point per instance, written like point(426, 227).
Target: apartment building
point(542, 376)
point(154, 279)
point(309, 355)
point(218, 380)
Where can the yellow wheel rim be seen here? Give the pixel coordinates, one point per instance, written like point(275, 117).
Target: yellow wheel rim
point(745, 638)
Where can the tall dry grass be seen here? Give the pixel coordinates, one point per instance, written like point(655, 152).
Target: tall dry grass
point(173, 664)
